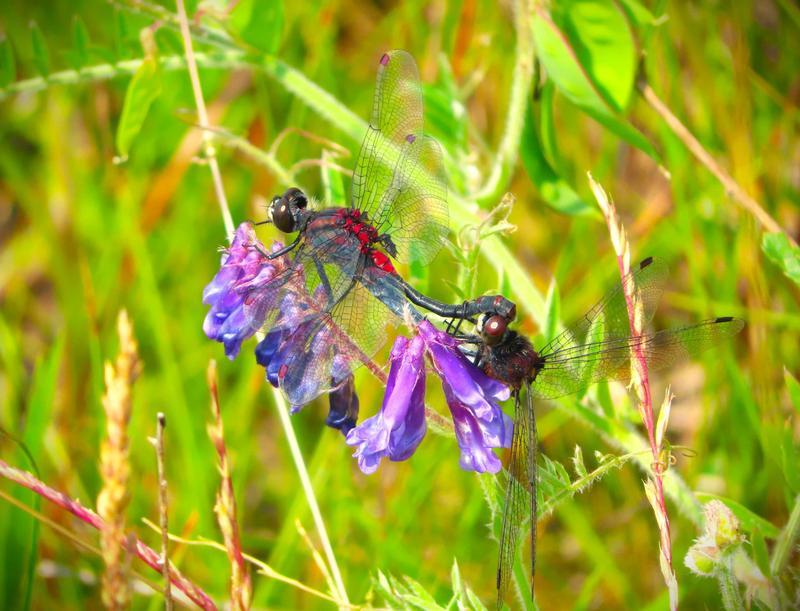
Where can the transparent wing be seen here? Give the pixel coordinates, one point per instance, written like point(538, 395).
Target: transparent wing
point(609, 317)
point(520, 504)
point(414, 212)
point(323, 313)
point(399, 180)
point(574, 368)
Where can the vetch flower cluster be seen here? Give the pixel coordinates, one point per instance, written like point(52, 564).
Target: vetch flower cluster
point(396, 431)
point(245, 273)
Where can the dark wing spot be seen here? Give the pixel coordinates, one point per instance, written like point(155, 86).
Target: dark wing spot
point(645, 262)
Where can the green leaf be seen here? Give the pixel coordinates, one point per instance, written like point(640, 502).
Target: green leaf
point(561, 61)
point(144, 88)
point(553, 311)
point(760, 553)
point(782, 253)
point(793, 386)
point(604, 46)
point(749, 520)
point(79, 56)
point(547, 125)
point(8, 68)
point(554, 190)
point(639, 14)
point(258, 23)
point(41, 56)
point(445, 118)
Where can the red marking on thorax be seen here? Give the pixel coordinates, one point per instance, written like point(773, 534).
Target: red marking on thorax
point(353, 222)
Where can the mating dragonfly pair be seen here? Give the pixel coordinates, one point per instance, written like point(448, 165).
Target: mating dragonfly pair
point(326, 300)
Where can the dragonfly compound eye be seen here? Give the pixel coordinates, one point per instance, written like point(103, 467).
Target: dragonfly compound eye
point(494, 328)
point(282, 213)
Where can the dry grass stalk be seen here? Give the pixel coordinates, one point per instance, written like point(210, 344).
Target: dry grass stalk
point(640, 381)
point(163, 514)
point(225, 507)
point(114, 466)
point(142, 551)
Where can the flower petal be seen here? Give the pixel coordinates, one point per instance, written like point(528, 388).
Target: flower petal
point(244, 267)
point(398, 428)
point(468, 384)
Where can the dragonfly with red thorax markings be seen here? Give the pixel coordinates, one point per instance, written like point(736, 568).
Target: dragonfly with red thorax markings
point(326, 299)
point(597, 347)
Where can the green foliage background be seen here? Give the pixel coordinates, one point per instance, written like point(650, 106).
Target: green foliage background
point(84, 236)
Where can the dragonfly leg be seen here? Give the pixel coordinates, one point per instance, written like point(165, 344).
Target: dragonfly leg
point(285, 249)
point(323, 278)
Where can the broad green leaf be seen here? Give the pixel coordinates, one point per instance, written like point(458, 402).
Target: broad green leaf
point(79, 55)
point(783, 253)
point(41, 56)
point(8, 68)
point(563, 66)
point(553, 189)
point(258, 23)
point(144, 88)
point(599, 34)
point(639, 14)
point(748, 519)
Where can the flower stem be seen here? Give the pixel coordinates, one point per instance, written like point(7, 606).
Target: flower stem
point(521, 84)
point(308, 490)
point(733, 188)
point(729, 587)
point(202, 118)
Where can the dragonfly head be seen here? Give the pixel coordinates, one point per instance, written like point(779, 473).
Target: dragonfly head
point(492, 328)
point(285, 210)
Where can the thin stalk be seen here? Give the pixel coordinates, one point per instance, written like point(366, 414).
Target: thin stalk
point(163, 514)
point(308, 490)
point(786, 541)
point(733, 188)
point(202, 118)
point(521, 83)
point(145, 553)
point(729, 587)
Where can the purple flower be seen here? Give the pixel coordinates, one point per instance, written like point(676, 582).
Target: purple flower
point(472, 396)
point(395, 431)
point(244, 268)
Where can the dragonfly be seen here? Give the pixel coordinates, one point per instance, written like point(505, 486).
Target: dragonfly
point(596, 347)
point(341, 261)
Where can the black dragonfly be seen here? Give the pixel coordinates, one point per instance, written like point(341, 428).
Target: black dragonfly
point(595, 348)
point(339, 267)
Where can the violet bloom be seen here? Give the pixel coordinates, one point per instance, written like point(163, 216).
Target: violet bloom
point(395, 431)
point(244, 268)
point(472, 396)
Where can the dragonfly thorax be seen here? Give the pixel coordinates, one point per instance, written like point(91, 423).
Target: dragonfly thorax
point(512, 360)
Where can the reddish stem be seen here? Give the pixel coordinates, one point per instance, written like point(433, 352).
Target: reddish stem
point(145, 553)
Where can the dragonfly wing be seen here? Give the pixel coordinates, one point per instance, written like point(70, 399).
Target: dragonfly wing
point(575, 368)
point(322, 352)
point(399, 179)
point(414, 211)
point(520, 503)
point(609, 317)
